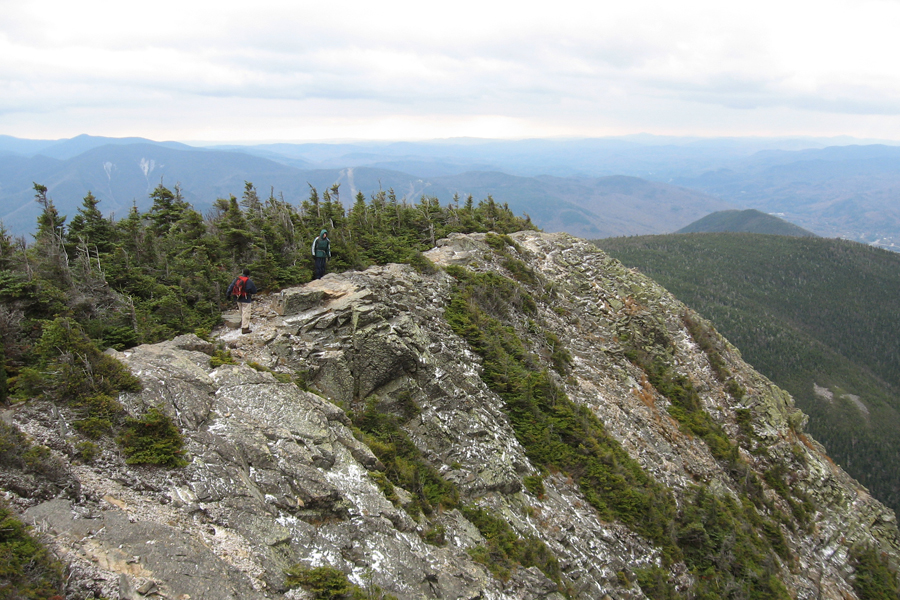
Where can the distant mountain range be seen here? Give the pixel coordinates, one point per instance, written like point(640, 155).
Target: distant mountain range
point(745, 221)
point(817, 316)
point(592, 188)
point(848, 191)
point(123, 173)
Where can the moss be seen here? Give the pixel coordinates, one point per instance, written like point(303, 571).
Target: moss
point(152, 440)
point(27, 569)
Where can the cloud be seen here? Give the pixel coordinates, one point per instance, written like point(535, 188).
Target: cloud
point(558, 66)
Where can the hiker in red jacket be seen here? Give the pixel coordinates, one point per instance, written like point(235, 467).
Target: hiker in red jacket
point(243, 288)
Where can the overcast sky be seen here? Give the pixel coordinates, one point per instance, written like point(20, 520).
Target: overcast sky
point(267, 70)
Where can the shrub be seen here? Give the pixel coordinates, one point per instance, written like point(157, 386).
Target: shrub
point(93, 427)
point(221, 357)
point(403, 461)
point(87, 451)
point(436, 536)
point(12, 443)
point(504, 549)
point(27, 570)
point(325, 583)
point(328, 583)
point(557, 433)
point(152, 440)
point(421, 263)
point(17, 452)
point(874, 578)
point(535, 485)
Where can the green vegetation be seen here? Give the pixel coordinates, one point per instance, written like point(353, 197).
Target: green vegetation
point(730, 546)
point(505, 550)
point(403, 462)
point(803, 311)
point(152, 440)
point(746, 221)
point(17, 453)
point(27, 570)
point(279, 377)
point(556, 433)
point(221, 357)
point(70, 370)
point(874, 578)
point(722, 544)
point(328, 583)
point(97, 283)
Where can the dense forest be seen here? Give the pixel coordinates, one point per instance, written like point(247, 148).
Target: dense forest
point(817, 316)
point(151, 276)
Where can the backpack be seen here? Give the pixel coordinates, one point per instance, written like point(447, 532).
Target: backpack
point(238, 289)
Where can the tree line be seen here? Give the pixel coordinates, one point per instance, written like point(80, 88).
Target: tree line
point(153, 275)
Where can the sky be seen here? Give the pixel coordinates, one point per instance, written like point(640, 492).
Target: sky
point(271, 70)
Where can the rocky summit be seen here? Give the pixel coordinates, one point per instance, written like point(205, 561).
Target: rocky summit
point(367, 426)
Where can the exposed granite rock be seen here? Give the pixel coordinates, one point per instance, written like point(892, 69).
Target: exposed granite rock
point(276, 476)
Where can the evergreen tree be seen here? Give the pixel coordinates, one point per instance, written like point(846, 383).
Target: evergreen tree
point(3, 384)
point(167, 208)
point(235, 232)
point(89, 227)
point(49, 252)
point(7, 249)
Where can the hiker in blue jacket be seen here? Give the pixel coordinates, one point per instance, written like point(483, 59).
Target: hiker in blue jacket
point(243, 288)
point(321, 251)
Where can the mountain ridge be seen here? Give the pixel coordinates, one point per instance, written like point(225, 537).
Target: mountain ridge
point(278, 481)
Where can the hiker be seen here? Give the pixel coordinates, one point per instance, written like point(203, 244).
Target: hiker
point(243, 288)
point(321, 251)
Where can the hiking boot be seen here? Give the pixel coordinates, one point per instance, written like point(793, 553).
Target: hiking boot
point(245, 330)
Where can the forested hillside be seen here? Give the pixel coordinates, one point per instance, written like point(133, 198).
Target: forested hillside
point(154, 275)
point(744, 221)
point(817, 316)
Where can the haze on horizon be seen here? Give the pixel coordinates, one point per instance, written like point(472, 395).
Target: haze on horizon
point(294, 71)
